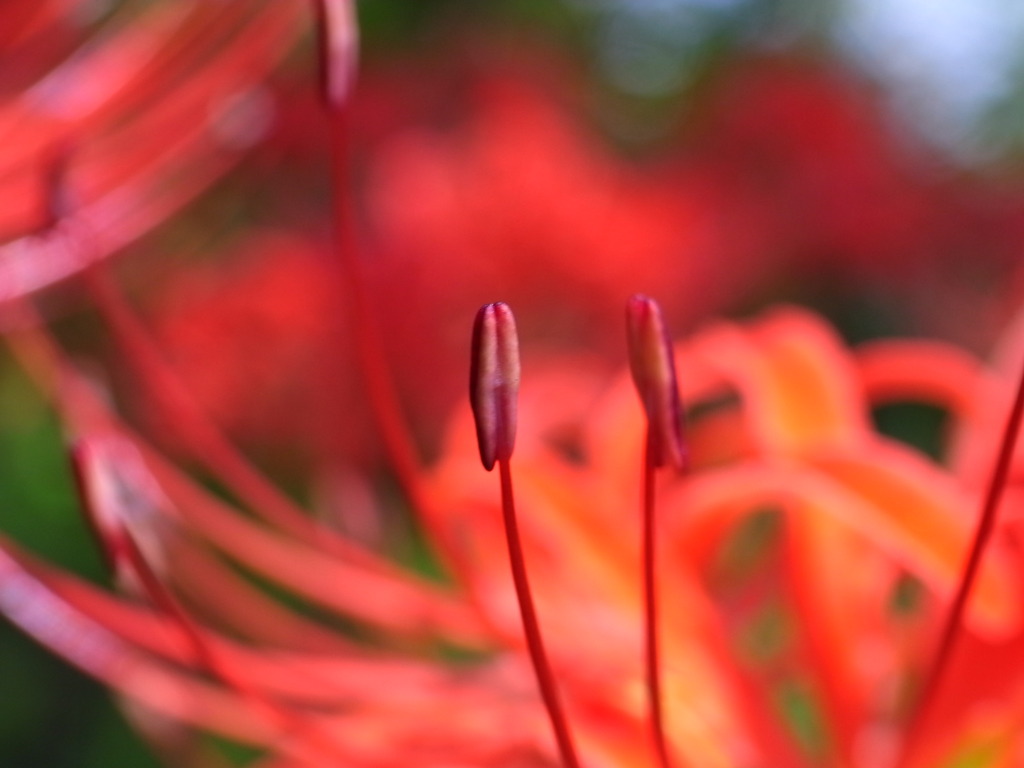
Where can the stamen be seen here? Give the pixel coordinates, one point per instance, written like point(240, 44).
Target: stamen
point(339, 49)
point(952, 629)
point(339, 53)
point(654, 372)
point(653, 367)
point(493, 387)
point(494, 382)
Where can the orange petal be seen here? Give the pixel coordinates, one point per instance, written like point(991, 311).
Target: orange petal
point(922, 371)
point(795, 379)
point(909, 508)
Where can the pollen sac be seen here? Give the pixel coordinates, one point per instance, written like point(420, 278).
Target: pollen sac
point(339, 49)
point(654, 373)
point(494, 382)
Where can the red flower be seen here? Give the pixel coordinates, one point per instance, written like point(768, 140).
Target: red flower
point(798, 553)
point(787, 431)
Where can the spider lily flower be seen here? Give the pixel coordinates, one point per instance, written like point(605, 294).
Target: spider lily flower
point(348, 659)
point(778, 421)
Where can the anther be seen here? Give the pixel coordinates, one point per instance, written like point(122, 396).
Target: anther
point(494, 382)
point(654, 372)
point(339, 49)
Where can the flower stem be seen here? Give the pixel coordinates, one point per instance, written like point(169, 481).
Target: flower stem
point(951, 631)
point(652, 656)
point(531, 628)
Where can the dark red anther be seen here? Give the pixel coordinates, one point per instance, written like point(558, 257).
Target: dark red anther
point(494, 382)
point(339, 49)
point(654, 372)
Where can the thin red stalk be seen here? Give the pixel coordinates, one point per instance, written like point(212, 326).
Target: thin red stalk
point(379, 385)
point(378, 382)
point(531, 628)
point(652, 656)
point(293, 725)
point(951, 631)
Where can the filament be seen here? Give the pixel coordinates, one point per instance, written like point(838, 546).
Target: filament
point(651, 653)
point(953, 625)
point(531, 628)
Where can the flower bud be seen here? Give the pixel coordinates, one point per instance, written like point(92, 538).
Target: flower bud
point(494, 382)
point(654, 372)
